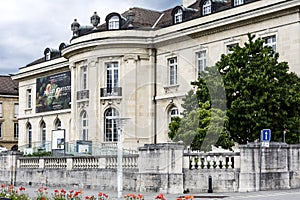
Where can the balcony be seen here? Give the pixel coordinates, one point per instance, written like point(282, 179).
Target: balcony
point(84, 94)
point(109, 92)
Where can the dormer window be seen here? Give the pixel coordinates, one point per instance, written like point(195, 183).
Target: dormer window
point(178, 16)
point(206, 7)
point(238, 2)
point(51, 54)
point(48, 55)
point(113, 21)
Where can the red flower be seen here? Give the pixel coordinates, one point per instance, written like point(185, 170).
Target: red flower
point(70, 195)
point(71, 191)
point(21, 188)
point(100, 194)
point(56, 191)
point(63, 191)
point(87, 197)
point(3, 185)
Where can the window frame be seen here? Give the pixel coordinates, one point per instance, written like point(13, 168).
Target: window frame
point(114, 22)
point(84, 77)
point(16, 130)
point(238, 2)
point(1, 109)
point(173, 108)
point(1, 132)
point(178, 16)
point(173, 71)
point(29, 134)
point(111, 117)
point(84, 126)
point(206, 7)
point(112, 77)
point(271, 44)
point(29, 98)
point(16, 110)
point(43, 129)
point(200, 59)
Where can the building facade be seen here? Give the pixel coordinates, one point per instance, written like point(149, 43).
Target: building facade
point(137, 67)
point(9, 108)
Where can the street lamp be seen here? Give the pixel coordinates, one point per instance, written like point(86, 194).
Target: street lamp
point(121, 123)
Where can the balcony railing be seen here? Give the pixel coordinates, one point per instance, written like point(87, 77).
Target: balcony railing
point(108, 92)
point(84, 94)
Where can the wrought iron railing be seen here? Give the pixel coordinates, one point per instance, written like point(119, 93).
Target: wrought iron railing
point(113, 91)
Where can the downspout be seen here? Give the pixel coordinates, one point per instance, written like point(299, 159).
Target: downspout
point(154, 53)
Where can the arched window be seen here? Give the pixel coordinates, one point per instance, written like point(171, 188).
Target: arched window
point(43, 134)
point(84, 126)
point(111, 125)
point(206, 8)
point(114, 23)
point(57, 124)
point(29, 135)
point(178, 16)
point(173, 112)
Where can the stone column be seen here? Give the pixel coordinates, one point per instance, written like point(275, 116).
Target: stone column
point(160, 168)
point(275, 174)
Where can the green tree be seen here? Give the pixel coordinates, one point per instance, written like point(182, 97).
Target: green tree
point(261, 93)
point(245, 92)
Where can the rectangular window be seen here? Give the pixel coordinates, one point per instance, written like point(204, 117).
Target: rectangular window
point(29, 98)
point(201, 62)
point(112, 78)
point(1, 114)
point(172, 71)
point(84, 78)
point(16, 130)
point(0, 130)
point(229, 48)
point(16, 110)
point(238, 2)
point(271, 41)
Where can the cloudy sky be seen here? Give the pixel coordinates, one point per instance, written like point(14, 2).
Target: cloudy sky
point(28, 27)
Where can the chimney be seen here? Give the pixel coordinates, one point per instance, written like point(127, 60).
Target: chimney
point(187, 3)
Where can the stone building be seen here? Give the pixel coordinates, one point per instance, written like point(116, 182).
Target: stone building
point(138, 65)
point(9, 108)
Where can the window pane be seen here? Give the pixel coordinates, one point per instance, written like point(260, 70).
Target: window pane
point(1, 114)
point(16, 130)
point(29, 98)
point(173, 71)
point(201, 62)
point(271, 41)
point(29, 132)
point(206, 7)
point(16, 110)
point(111, 125)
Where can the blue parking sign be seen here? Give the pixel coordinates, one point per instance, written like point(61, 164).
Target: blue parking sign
point(266, 135)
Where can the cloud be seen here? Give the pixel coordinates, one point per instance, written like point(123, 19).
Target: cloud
point(27, 27)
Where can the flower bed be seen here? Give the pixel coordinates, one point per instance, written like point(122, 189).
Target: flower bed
point(9, 192)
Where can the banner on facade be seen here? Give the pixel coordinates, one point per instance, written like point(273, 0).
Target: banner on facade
point(58, 139)
point(53, 92)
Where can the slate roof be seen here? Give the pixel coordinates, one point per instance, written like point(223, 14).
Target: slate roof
point(8, 86)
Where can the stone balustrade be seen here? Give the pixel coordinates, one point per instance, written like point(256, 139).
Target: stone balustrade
point(83, 162)
point(211, 160)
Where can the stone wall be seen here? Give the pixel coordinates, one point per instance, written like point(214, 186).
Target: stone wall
point(163, 168)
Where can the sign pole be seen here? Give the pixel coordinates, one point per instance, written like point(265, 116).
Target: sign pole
point(260, 160)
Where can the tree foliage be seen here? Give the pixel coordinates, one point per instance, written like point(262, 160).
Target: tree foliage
point(261, 93)
point(246, 91)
